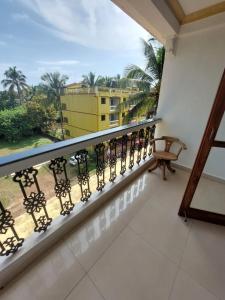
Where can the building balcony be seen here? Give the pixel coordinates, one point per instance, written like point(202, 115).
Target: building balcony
point(52, 195)
point(113, 123)
point(134, 246)
point(113, 108)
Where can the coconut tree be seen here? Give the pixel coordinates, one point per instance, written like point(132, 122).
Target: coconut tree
point(52, 84)
point(148, 80)
point(15, 81)
point(91, 80)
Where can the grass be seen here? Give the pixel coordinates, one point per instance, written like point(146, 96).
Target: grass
point(7, 148)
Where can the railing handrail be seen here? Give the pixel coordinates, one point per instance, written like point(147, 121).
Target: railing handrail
point(77, 90)
point(22, 160)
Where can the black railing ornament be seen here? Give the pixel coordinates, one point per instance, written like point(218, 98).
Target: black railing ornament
point(112, 159)
point(123, 154)
point(100, 166)
point(132, 149)
point(35, 202)
point(12, 242)
point(152, 134)
point(83, 174)
point(146, 142)
point(62, 185)
point(140, 145)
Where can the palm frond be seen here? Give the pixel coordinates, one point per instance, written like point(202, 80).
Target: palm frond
point(135, 72)
point(141, 108)
point(152, 65)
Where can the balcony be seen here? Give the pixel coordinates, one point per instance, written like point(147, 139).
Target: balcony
point(134, 247)
point(98, 89)
point(113, 108)
point(53, 196)
point(113, 123)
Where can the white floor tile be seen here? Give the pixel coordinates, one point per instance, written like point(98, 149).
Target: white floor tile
point(52, 278)
point(94, 236)
point(185, 288)
point(204, 257)
point(85, 290)
point(167, 232)
point(131, 269)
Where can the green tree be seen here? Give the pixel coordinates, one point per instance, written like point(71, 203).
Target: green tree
point(7, 100)
point(52, 85)
point(91, 80)
point(15, 81)
point(13, 123)
point(148, 81)
point(38, 117)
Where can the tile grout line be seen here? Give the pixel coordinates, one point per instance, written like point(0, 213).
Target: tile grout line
point(179, 264)
point(82, 277)
point(186, 272)
point(152, 246)
point(97, 288)
point(87, 272)
point(126, 224)
point(110, 244)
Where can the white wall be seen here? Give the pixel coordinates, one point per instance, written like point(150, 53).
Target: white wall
point(189, 85)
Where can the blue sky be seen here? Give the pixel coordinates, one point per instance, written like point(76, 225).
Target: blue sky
point(69, 36)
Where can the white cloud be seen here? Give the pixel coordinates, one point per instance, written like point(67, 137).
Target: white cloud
point(20, 16)
point(58, 62)
point(95, 23)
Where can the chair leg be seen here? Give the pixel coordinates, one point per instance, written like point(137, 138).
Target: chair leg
point(154, 166)
point(164, 169)
point(172, 170)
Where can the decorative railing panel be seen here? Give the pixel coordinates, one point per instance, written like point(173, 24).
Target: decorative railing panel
point(94, 160)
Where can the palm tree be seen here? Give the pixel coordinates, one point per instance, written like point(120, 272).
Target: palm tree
point(15, 81)
point(91, 80)
point(148, 81)
point(52, 85)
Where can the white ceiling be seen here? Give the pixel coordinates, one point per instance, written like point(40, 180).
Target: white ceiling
point(190, 6)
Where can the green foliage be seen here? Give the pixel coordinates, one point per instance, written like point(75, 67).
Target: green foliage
point(13, 123)
point(91, 80)
point(7, 100)
point(148, 81)
point(25, 119)
point(15, 81)
point(52, 84)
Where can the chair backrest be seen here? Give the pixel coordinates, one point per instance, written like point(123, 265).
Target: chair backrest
point(169, 142)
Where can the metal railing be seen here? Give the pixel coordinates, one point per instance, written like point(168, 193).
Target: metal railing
point(97, 89)
point(116, 150)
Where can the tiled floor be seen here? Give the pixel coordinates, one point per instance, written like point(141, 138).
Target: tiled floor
point(134, 248)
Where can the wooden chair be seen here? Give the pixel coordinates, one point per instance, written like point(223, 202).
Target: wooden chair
point(163, 158)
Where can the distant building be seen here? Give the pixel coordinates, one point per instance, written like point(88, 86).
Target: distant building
point(86, 110)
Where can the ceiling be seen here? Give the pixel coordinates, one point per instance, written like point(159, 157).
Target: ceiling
point(190, 6)
point(188, 11)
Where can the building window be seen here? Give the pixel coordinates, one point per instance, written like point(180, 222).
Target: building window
point(114, 117)
point(124, 99)
point(103, 101)
point(67, 132)
point(123, 115)
point(65, 120)
point(63, 106)
point(102, 117)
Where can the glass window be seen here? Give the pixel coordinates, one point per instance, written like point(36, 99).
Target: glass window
point(67, 132)
point(63, 106)
point(102, 117)
point(65, 120)
point(103, 101)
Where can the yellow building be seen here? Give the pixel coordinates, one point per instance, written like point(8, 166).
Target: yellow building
point(86, 110)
